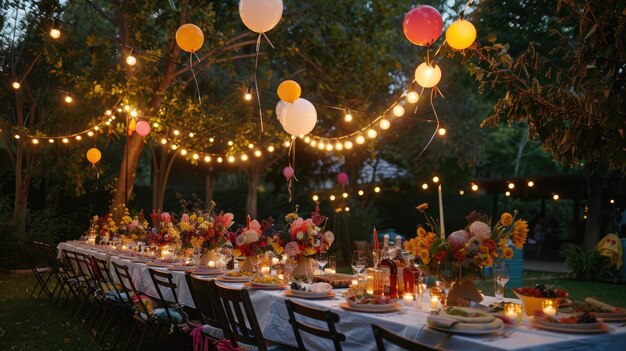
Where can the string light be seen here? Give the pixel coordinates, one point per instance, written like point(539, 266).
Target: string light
point(78, 137)
point(424, 186)
point(55, 33)
point(244, 157)
point(412, 97)
point(398, 110)
point(371, 133)
point(321, 145)
point(16, 136)
point(287, 143)
point(339, 146)
point(270, 148)
point(231, 159)
point(174, 146)
point(108, 112)
point(348, 116)
point(257, 153)
point(65, 140)
point(211, 139)
point(131, 60)
point(35, 141)
point(555, 197)
point(530, 183)
point(347, 209)
point(461, 192)
point(313, 143)
point(155, 125)
point(220, 159)
point(90, 133)
point(474, 187)
point(68, 99)
point(191, 134)
point(377, 189)
point(348, 145)
point(163, 141)
point(329, 147)
point(360, 139)
point(51, 141)
point(360, 192)
point(344, 195)
point(183, 152)
point(248, 95)
point(442, 129)
point(196, 156)
point(176, 132)
point(508, 193)
point(16, 85)
point(384, 124)
point(133, 113)
point(207, 159)
point(332, 197)
point(315, 197)
point(612, 201)
point(250, 146)
point(435, 179)
point(511, 186)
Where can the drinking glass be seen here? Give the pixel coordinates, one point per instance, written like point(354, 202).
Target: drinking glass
point(500, 278)
point(322, 260)
point(332, 264)
point(446, 274)
point(358, 261)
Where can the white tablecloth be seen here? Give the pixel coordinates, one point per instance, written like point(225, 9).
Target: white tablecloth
point(272, 315)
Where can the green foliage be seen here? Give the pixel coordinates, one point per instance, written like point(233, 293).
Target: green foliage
point(586, 265)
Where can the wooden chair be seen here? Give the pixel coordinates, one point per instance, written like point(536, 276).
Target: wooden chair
point(327, 316)
point(381, 334)
point(80, 278)
point(173, 309)
point(204, 295)
point(60, 274)
point(42, 272)
point(142, 315)
point(240, 317)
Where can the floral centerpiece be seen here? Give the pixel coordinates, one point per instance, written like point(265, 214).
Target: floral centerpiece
point(202, 232)
point(133, 229)
point(468, 250)
point(163, 231)
point(107, 228)
point(303, 238)
point(250, 240)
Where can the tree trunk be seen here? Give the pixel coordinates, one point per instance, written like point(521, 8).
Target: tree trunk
point(253, 182)
point(208, 188)
point(594, 222)
point(20, 199)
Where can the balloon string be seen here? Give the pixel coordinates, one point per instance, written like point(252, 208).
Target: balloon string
point(93, 166)
point(268, 40)
point(195, 79)
point(436, 129)
point(420, 96)
point(256, 83)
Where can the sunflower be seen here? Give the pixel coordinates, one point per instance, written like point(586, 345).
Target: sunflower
point(520, 232)
point(507, 252)
point(506, 219)
point(424, 256)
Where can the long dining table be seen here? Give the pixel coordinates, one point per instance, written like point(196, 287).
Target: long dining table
point(269, 307)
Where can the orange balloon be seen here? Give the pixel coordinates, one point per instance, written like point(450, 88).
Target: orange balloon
point(94, 155)
point(289, 91)
point(189, 37)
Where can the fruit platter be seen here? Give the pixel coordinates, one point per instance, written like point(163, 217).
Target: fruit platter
point(369, 302)
point(532, 297)
point(600, 309)
point(237, 276)
point(576, 323)
point(267, 281)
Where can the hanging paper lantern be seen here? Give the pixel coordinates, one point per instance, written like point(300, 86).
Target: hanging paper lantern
point(281, 109)
point(260, 15)
point(189, 37)
point(427, 76)
point(300, 119)
point(288, 172)
point(460, 34)
point(422, 25)
point(342, 178)
point(94, 155)
point(143, 128)
point(289, 90)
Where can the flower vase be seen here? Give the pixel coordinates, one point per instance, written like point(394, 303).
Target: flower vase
point(302, 267)
point(247, 264)
point(208, 255)
point(462, 292)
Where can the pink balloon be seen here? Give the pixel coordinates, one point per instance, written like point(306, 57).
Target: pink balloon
point(142, 128)
point(342, 178)
point(288, 172)
point(422, 25)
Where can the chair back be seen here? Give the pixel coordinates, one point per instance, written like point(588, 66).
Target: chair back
point(321, 315)
point(204, 297)
point(381, 335)
point(73, 264)
point(240, 316)
point(164, 280)
point(128, 287)
point(106, 282)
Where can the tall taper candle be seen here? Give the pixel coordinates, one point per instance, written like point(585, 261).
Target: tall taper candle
point(441, 225)
point(248, 221)
point(375, 234)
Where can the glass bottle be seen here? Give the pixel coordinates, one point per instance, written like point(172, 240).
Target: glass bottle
point(400, 265)
point(390, 278)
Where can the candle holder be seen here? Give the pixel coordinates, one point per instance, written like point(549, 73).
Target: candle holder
point(549, 307)
point(513, 312)
point(408, 299)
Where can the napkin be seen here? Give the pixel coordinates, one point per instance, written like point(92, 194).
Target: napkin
point(317, 287)
point(441, 321)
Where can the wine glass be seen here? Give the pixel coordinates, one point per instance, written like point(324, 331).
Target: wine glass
point(500, 278)
point(446, 274)
point(322, 260)
point(358, 261)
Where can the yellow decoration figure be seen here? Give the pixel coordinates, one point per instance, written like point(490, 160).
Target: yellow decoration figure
point(611, 247)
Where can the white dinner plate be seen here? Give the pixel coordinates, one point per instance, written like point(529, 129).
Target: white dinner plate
point(266, 286)
point(602, 328)
point(234, 279)
point(469, 332)
point(302, 293)
point(393, 308)
point(289, 293)
point(370, 306)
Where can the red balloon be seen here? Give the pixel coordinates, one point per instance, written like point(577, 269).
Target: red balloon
point(288, 172)
point(422, 25)
point(342, 178)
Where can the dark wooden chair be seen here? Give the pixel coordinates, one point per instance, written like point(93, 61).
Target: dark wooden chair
point(142, 315)
point(164, 281)
point(381, 335)
point(204, 295)
point(240, 317)
point(60, 273)
point(42, 272)
point(80, 278)
point(321, 315)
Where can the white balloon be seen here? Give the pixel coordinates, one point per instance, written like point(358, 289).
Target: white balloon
point(300, 119)
point(260, 15)
point(281, 109)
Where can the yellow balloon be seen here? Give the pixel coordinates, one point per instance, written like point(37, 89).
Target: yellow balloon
point(189, 37)
point(460, 34)
point(289, 91)
point(94, 155)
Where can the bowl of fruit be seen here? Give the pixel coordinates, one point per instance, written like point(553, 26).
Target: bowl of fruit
point(532, 298)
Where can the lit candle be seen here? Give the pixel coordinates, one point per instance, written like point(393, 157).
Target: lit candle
point(434, 302)
point(248, 222)
point(281, 276)
point(549, 310)
point(370, 291)
point(510, 313)
point(441, 225)
point(265, 270)
point(329, 271)
point(275, 261)
point(408, 299)
point(355, 282)
point(375, 234)
point(211, 264)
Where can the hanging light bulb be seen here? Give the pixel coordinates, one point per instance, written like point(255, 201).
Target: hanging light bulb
point(131, 60)
point(250, 146)
point(348, 116)
point(65, 140)
point(220, 159)
point(442, 129)
point(231, 159)
point(16, 85)
point(155, 125)
point(511, 186)
point(163, 141)
point(207, 159)
point(90, 133)
point(270, 148)
point(372, 133)
point(307, 139)
point(16, 136)
point(51, 141)
point(321, 145)
point(531, 184)
point(329, 147)
point(174, 146)
point(474, 187)
point(435, 179)
point(384, 124)
point(244, 157)
point(344, 195)
point(183, 152)
point(248, 95)
point(424, 186)
point(338, 146)
point(332, 197)
point(360, 139)
point(361, 192)
point(133, 113)
point(191, 134)
point(427, 76)
point(287, 143)
point(412, 97)
point(313, 143)
point(176, 132)
point(398, 110)
point(55, 33)
point(68, 99)
point(211, 139)
point(78, 137)
point(35, 141)
point(315, 197)
point(257, 153)
point(348, 145)
point(461, 192)
point(108, 112)
point(196, 156)
point(377, 189)
point(508, 193)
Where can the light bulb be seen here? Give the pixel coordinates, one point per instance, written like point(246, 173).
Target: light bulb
point(270, 148)
point(435, 179)
point(133, 113)
point(508, 193)
point(329, 147)
point(207, 158)
point(65, 140)
point(35, 141)
point(348, 116)
point(155, 125)
point(96, 128)
point(78, 137)
point(398, 110)
point(412, 97)
point(287, 143)
point(348, 145)
point(511, 186)
point(347, 209)
point(131, 60)
point(555, 197)
point(257, 153)
point(51, 141)
point(163, 141)
point(377, 189)
point(244, 157)
point(384, 124)
point(16, 85)
point(461, 192)
point(307, 139)
point(196, 156)
point(55, 33)
point(16, 136)
point(183, 152)
point(211, 139)
point(108, 112)
point(68, 99)
point(231, 159)
point(90, 133)
point(474, 187)
point(176, 132)
point(250, 146)
point(427, 76)
point(248, 95)
point(442, 131)
point(332, 197)
point(361, 192)
point(531, 183)
point(313, 143)
point(424, 186)
point(344, 195)
point(371, 133)
point(191, 134)
point(220, 159)
point(174, 146)
point(360, 139)
point(321, 145)
point(339, 146)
